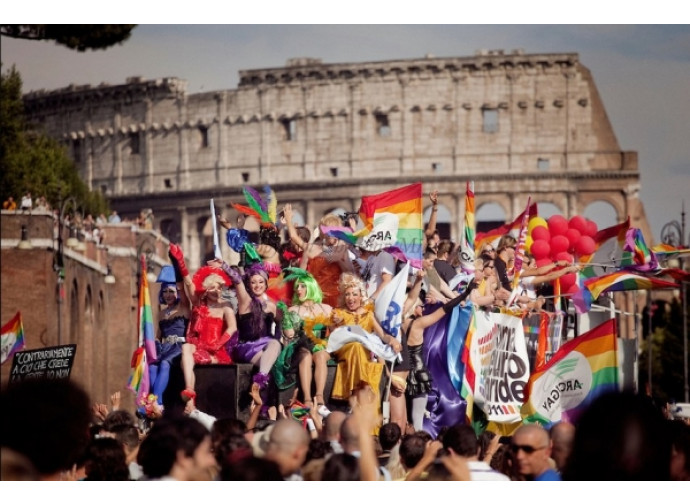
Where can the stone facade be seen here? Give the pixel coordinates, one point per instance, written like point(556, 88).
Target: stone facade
point(323, 135)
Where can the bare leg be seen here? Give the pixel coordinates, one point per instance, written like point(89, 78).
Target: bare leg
point(321, 373)
point(305, 374)
point(188, 365)
point(267, 357)
point(399, 404)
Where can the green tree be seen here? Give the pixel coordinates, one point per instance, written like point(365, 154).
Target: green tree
point(32, 161)
point(79, 37)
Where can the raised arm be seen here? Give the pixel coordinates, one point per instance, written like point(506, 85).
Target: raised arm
point(182, 273)
point(413, 295)
point(431, 226)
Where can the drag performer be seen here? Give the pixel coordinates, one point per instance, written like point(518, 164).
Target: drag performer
point(305, 329)
point(212, 322)
point(354, 360)
point(258, 321)
point(173, 320)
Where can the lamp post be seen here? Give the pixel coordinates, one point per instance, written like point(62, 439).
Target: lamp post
point(673, 233)
point(59, 261)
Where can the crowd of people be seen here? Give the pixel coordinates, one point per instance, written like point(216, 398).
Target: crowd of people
point(276, 310)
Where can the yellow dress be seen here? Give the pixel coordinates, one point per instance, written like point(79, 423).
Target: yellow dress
point(354, 361)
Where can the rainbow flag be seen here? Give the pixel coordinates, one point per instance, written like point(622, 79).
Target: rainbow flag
point(580, 371)
point(637, 255)
point(393, 218)
point(608, 251)
point(469, 374)
point(343, 233)
point(12, 339)
point(519, 253)
point(617, 281)
point(146, 353)
point(467, 244)
point(513, 228)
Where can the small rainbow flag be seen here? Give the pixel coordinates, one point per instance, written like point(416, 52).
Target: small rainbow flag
point(467, 243)
point(608, 251)
point(638, 254)
point(519, 253)
point(468, 375)
point(494, 235)
point(12, 337)
point(617, 281)
point(146, 353)
point(394, 218)
point(580, 371)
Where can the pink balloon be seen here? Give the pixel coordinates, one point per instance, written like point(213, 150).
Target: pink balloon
point(590, 228)
point(572, 235)
point(543, 262)
point(541, 233)
point(567, 281)
point(558, 225)
point(558, 244)
point(540, 249)
point(584, 246)
point(579, 223)
point(564, 256)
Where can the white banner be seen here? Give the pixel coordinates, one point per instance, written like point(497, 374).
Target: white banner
point(499, 358)
point(343, 335)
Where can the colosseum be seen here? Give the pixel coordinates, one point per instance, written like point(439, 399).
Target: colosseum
point(323, 135)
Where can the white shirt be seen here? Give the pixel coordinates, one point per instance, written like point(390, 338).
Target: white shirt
point(481, 471)
point(377, 265)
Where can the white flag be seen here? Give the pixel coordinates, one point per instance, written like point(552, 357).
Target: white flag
point(216, 244)
point(343, 335)
point(390, 301)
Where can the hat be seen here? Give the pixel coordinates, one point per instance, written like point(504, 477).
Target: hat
point(167, 274)
point(260, 441)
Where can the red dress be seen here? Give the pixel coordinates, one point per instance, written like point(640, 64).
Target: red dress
point(210, 335)
point(326, 275)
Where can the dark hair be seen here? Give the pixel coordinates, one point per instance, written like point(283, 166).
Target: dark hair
point(389, 435)
point(412, 450)
point(158, 452)
point(462, 440)
point(118, 417)
point(47, 421)
point(680, 439)
point(429, 252)
point(484, 442)
point(318, 449)
point(341, 467)
point(106, 461)
point(127, 435)
point(224, 447)
point(251, 468)
point(269, 236)
point(620, 437)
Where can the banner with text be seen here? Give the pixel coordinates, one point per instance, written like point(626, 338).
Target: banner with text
point(499, 358)
point(50, 363)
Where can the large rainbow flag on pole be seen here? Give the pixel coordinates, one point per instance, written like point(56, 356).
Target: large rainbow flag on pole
point(520, 253)
point(146, 353)
point(394, 218)
point(580, 371)
point(12, 337)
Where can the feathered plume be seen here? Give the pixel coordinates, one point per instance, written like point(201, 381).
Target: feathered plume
point(272, 204)
point(258, 208)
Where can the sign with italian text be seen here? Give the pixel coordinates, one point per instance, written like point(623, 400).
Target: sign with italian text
point(52, 363)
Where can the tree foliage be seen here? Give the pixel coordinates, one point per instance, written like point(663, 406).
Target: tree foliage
point(79, 37)
point(32, 161)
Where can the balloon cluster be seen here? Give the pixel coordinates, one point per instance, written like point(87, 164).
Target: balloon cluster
point(559, 239)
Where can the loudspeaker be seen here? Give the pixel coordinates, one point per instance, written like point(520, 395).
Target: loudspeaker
point(222, 390)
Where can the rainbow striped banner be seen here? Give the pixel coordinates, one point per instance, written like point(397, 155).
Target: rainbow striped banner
point(618, 281)
point(12, 339)
point(469, 375)
point(394, 218)
point(580, 371)
point(146, 353)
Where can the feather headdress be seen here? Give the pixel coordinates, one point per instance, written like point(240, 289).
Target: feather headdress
point(263, 210)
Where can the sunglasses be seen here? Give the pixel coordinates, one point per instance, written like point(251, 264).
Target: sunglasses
point(529, 450)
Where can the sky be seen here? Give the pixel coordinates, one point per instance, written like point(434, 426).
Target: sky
point(642, 72)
